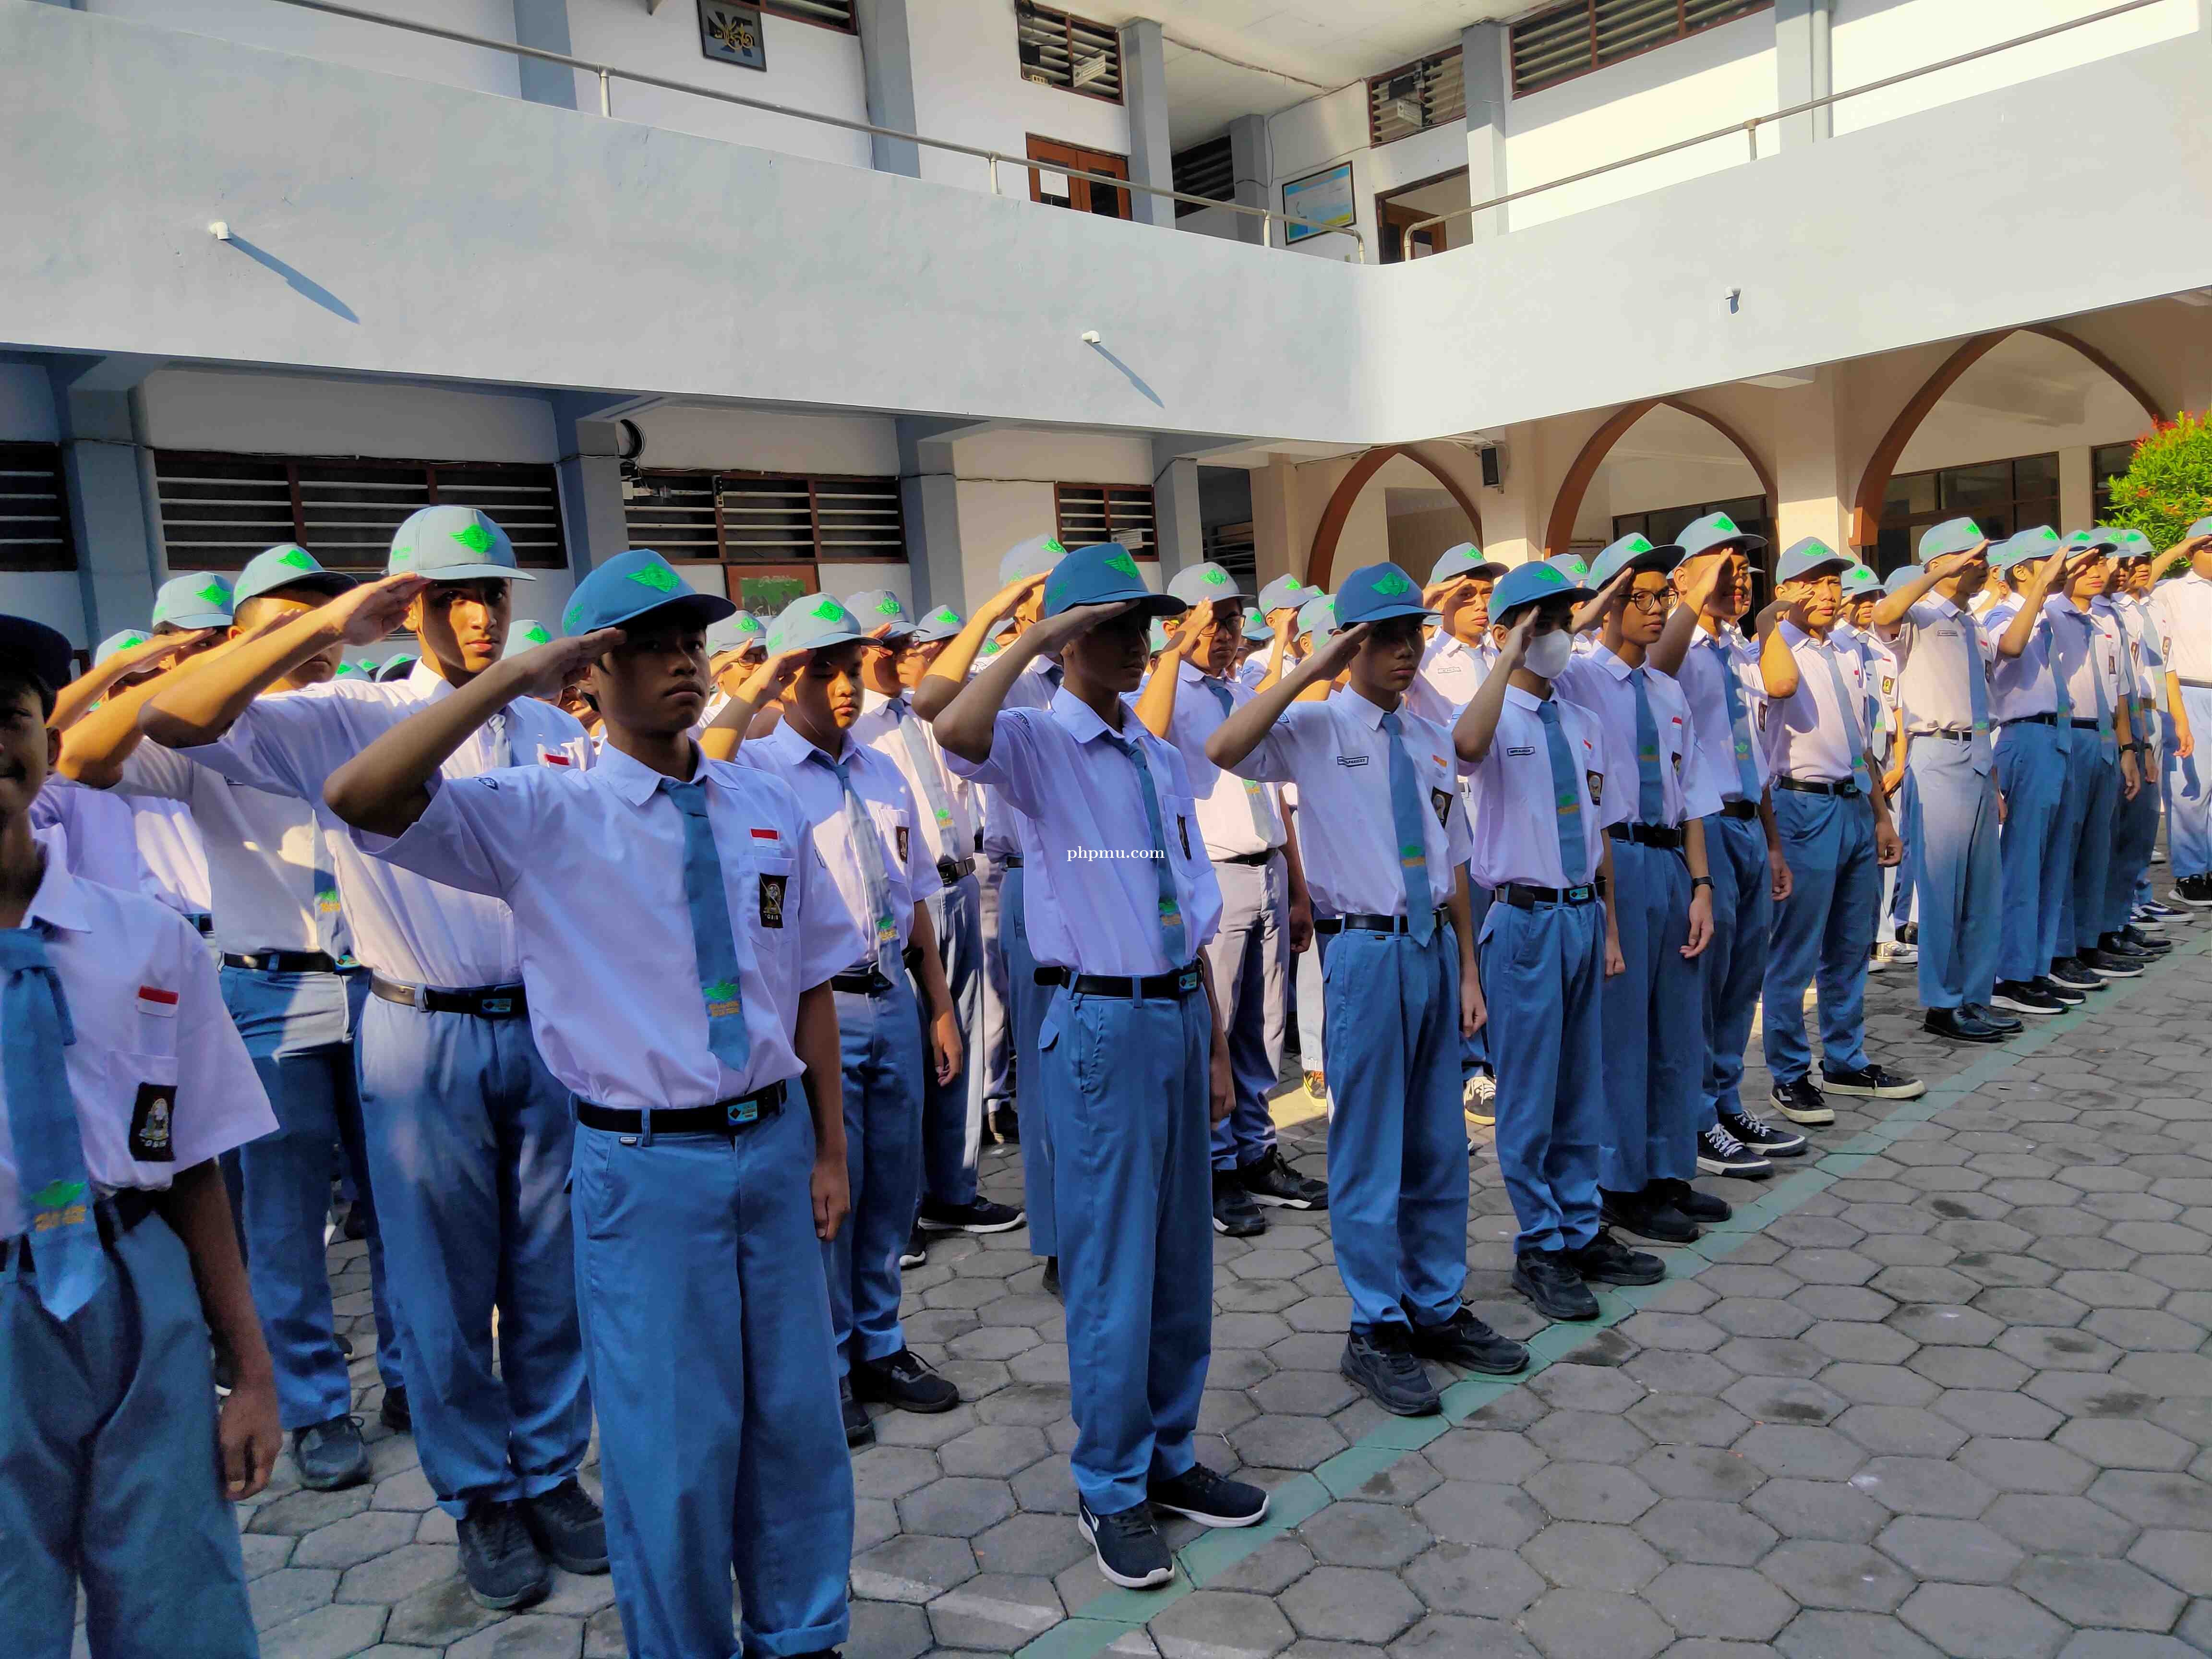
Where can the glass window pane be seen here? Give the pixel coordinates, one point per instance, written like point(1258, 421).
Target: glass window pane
point(2035, 475)
point(1893, 548)
point(1972, 489)
point(1914, 493)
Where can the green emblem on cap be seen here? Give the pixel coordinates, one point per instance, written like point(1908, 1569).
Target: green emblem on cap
point(1815, 546)
point(214, 593)
point(1637, 544)
point(1122, 563)
point(943, 616)
point(828, 611)
point(134, 637)
point(888, 606)
point(536, 636)
point(572, 618)
point(1551, 576)
point(1391, 584)
point(474, 537)
point(1722, 521)
point(55, 1194)
point(298, 557)
point(1052, 545)
point(658, 577)
point(1217, 578)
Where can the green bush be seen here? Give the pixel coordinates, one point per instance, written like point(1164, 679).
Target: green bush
point(2168, 484)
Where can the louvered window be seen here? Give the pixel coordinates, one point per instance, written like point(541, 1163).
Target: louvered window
point(829, 14)
point(34, 525)
point(1429, 94)
point(1060, 50)
point(1557, 46)
point(1106, 512)
point(218, 511)
point(1205, 170)
point(747, 517)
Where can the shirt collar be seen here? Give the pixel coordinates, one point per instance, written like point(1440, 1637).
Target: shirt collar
point(425, 683)
point(788, 743)
point(1614, 664)
point(59, 903)
point(1947, 607)
point(1083, 723)
point(1370, 713)
point(1520, 699)
point(633, 780)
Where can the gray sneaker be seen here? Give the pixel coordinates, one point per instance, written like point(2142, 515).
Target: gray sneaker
point(331, 1454)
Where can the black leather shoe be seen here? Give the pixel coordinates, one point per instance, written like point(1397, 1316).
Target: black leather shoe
point(1647, 1216)
point(395, 1414)
point(1702, 1208)
point(1546, 1278)
point(1234, 1212)
point(1990, 1018)
point(903, 1380)
point(1271, 1180)
point(1960, 1025)
point(1382, 1364)
point(499, 1557)
point(568, 1527)
point(331, 1455)
point(1606, 1261)
point(2142, 941)
point(1466, 1341)
point(860, 1429)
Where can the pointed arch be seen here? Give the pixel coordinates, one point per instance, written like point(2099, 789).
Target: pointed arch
point(1322, 554)
point(1567, 505)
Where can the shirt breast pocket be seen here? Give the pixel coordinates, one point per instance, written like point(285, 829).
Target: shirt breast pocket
point(766, 890)
point(895, 827)
point(143, 1091)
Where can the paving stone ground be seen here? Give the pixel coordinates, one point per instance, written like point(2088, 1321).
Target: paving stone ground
point(1949, 1393)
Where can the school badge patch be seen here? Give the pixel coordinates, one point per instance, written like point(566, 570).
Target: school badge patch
point(903, 842)
point(1596, 781)
point(1183, 829)
point(1441, 801)
point(152, 1124)
point(771, 900)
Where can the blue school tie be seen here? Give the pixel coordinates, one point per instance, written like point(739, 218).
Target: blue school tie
point(1566, 793)
point(1747, 774)
point(2107, 742)
point(881, 925)
point(1651, 799)
point(1409, 821)
point(1978, 695)
point(712, 938)
point(1171, 925)
point(925, 768)
point(1853, 733)
point(49, 1168)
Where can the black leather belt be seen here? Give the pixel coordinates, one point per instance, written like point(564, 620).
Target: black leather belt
point(952, 870)
point(861, 981)
point(1368, 923)
point(202, 923)
point(1012, 861)
point(114, 1215)
point(2033, 720)
point(2081, 725)
point(724, 1117)
point(280, 961)
point(1646, 835)
point(1523, 896)
point(1946, 734)
point(2196, 685)
point(484, 1001)
point(1246, 858)
point(1739, 809)
point(1846, 787)
point(1179, 982)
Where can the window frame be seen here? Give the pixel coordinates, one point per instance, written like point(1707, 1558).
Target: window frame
point(1419, 66)
point(822, 553)
point(1152, 553)
point(1683, 31)
point(782, 9)
point(2100, 480)
point(19, 456)
point(1068, 20)
point(1908, 522)
point(1076, 156)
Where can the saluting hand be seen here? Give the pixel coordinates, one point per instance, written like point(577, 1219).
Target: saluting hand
point(1950, 564)
point(1335, 654)
point(366, 614)
point(1011, 595)
point(1700, 578)
point(547, 670)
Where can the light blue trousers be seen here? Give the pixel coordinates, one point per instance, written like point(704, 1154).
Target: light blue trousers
point(1029, 1000)
point(1822, 933)
point(1735, 962)
point(1543, 974)
point(952, 1113)
point(994, 1034)
point(2032, 773)
point(1128, 1083)
point(108, 1472)
point(2135, 834)
point(2093, 797)
point(1951, 826)
point(1474, 1051)
point(1397, 1143)
point(880, 1054)
point(708, 1333)
point(1654, 1026)
point(2189, 791)
point(469, 1139)
point(1250, 958)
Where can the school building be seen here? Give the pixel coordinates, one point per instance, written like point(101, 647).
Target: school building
point(287, 270)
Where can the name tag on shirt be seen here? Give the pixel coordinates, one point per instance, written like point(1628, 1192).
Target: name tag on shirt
point(1519, 750)
point(1352, 760)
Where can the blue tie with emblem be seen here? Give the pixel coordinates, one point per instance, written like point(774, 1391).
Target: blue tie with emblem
point(925, 768)
point(882, 925)
point(1650, 798)
point(2107, 742)
point(58, 1196)
point(712, 938)
point(1854, 733)
point(1567, 795)
point(1747, 774)
point(1172, 935)
point(1409, 821)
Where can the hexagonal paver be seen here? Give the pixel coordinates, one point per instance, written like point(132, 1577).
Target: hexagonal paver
point(1581, 1555)
point(1578, 1624)
point(995, 1611)
point(1825, 1573)
point(1590, 1491)
point(1815, 1634)
point(1818, 1508)
point(1221, 1625)
point(1956, 1551)
point(1569, 1387)
point(1350, 1534)
point(1733, 1604)
point(1905, 1430)
point(1486, 1583)
point(912, 1567)
point(1973, 1621)
point(1811, 1454)
point(1445, 1636)
point(2027, 1465)
point(1719, 1535)
point(1350, 1604)
point(957, 1507)
point(2179, 1557)
point(1470, 1453)
point(2110, 1595)
point(1699, 1472)
point(2118, 1444)
point(2059, 1526)
point(2156, 1500)
point(1785, 1400)
point(1923, 1486)
point(1681, 1419)
point(1480, 1513)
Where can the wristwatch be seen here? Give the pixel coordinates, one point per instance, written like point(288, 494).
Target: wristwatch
point(1696, 882)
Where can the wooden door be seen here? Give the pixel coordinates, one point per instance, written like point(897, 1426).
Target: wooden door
point(1057, 188)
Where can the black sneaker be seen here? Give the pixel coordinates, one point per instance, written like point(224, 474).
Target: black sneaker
point(2064, 995)
point(1767, 1139)
point(499, 1559)
point(1908, 934)
point(1801, 1101)
point(1381, 1363)
point(331, 1455)
point(1005, 1126)
point(1052, 1275)
point(1210, 1500)
point(1549, 1280)
point(2119, 944)
point(1720, 1153)
point(978, 1215)
point(1129, 1548)
point(2072, 974)
point(1606, 1261)
point(2195, 891)
point(2021, 997)
point(1234, 1211)
point(860, 1429)
point(1702, 1208)
point(1466, 1341)
point(568, 1527)
point(2134, 935)
point(2003, 1023)
point(356, 1225)
point(1872, 1082)
point(395, 1414)
point(1271, 1180)
point(903, 1380)
point(2157, 911)
point(1647, 1216)
point(2106, 964)
point(916, 1250)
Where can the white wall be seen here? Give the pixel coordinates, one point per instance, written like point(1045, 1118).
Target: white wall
point(342, 40)
point(844, 579)
point(1004, 491)
point(26, 405)
point(767, 440)
point(52, 597)
point(968, 88)
point(303, 415)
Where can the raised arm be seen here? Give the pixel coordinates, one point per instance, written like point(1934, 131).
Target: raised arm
point(77, 699)
point(721, 736)
point(1889, 610)
point(1695, 581)
point(1478, 722)
point(969, 719)
point(1155, 703)
point(1595, 609)
point(2032, 593)
point(950, 672)
point(1284, 629)
point(94, 748)
point(1240, 734)
point(1777, 663)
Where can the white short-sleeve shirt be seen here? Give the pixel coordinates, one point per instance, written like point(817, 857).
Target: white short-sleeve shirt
point(2182, 609)
point(1452, 671)
point(1807, 736)
point(2085, 654)
point(1712, 660)
point(880, 728)
point(2019, 686)
point(1939, 648)
point(1237, 816)
point(1604, 682)
point(1517, 811)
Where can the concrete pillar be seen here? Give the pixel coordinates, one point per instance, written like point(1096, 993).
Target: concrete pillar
point(1252, 162)
point(887, 70)
point(929, 502)
point(1145, 95)
point(593, 521)
point(2077, 490)
point(545, 24)
point(1178, 527)
point(1802, 69)
point(1483, 56)
point(115, 516)
point(1277, 550)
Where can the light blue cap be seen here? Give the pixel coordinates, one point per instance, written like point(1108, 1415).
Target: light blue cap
point(1256, 626)
point(287, 564)
point(740, 630)
point(631, 584)
point(1572, 566)
point(2036, 541)
point(1285, 593)
point(1204, 584)
point(1716, 530)
point(195, 599)
point(1376, 593)
point(1809, 555)
point(1317, 618)
point(1540, 578)
point(1633, 548)
point(941, 623)
point(1103, 573)
point(526, 637)
point(813, 622)
point(2091, 541)
point(2126, 543)
point(1952, 535)
point(2201, 527)
point(351, 671)
point(122, 640)
point(1464, 560)
point(1901, 578)
point(452, 544)
point(397, 668)
point(877, 605)
point(1859, 582)
point(1033, 557)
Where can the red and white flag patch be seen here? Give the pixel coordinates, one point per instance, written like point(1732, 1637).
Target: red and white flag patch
point(766, 834)
point(153, 999)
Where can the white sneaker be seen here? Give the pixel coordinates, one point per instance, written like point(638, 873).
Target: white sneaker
point(1878, 962)
point(1480, 1098)
point(1894, 951)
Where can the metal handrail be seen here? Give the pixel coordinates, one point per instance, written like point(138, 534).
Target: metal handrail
point(607, 73)
point(1750, 128)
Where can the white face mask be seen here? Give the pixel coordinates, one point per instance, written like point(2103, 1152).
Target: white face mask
point(1548, 653)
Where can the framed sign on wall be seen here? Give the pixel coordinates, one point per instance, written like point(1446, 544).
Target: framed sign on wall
point(731, 33)
point(1321, 202)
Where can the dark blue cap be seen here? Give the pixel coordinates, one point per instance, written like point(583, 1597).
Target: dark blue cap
point(630, 585)
point(1527, 584)
point(1376, 593)
point(47, 653)
point(1103, 573)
